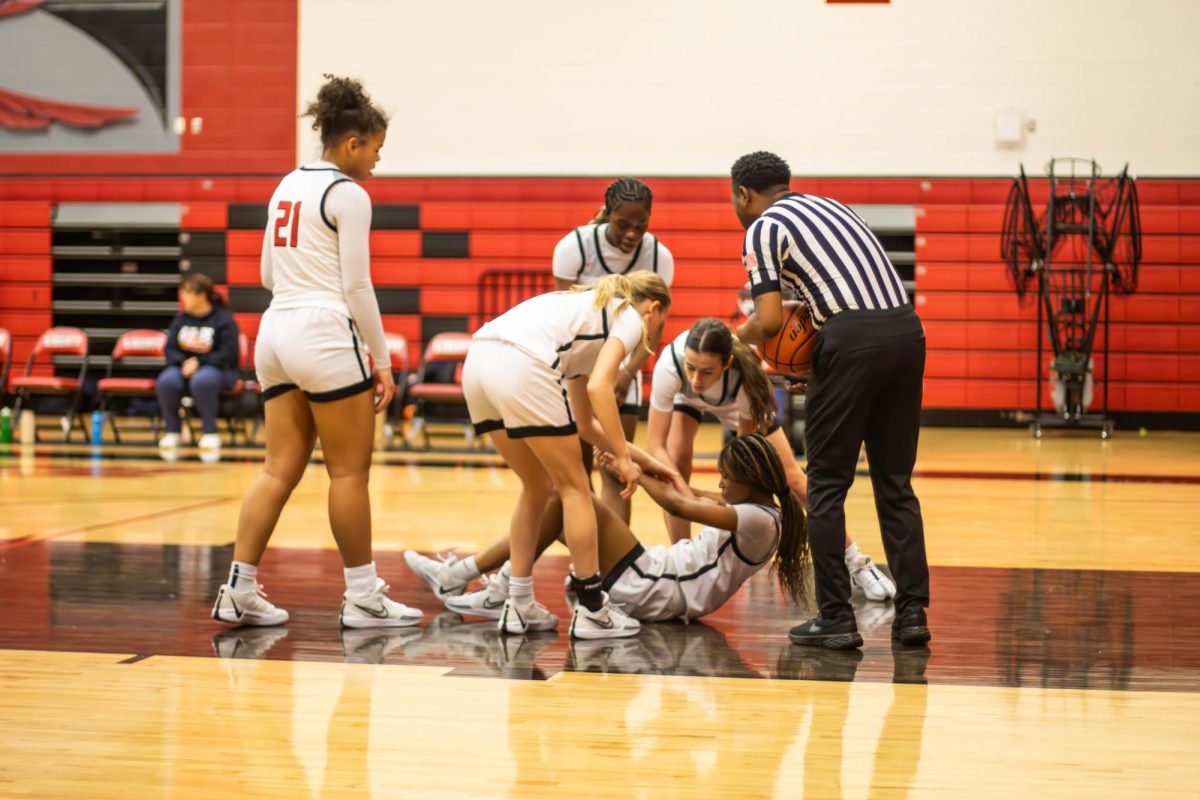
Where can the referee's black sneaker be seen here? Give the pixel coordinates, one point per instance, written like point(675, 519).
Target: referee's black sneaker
point(839, 634)
point(910, 627)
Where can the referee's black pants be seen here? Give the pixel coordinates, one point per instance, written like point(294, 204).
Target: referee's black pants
point(866, 386)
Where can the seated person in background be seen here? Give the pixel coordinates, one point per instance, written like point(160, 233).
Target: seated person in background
point(202, 359)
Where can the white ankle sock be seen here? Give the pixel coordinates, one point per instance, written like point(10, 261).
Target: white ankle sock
point(504, 575)
point(243, 577)
point(361, 580)
point(521, 591)
point(465, 570)
point(852, 552)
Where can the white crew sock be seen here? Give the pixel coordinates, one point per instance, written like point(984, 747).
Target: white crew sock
point(243, 577)
point(521, 591)
point(465, 570)
point(361, 580)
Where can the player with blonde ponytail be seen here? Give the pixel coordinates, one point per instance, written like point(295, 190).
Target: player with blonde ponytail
point(537, 378)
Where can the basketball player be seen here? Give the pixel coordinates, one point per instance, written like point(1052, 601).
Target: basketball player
point(755, 518)
point(706, 369)
point(616, 242)
point(312, 365)
point(537, 378)
point(865, 383)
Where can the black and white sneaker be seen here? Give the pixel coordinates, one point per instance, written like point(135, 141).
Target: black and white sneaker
point(376, 610)
point(610, 622)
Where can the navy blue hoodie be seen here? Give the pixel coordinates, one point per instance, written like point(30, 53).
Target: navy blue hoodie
point(213, 340)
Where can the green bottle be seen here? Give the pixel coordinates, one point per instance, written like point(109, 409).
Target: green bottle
point(5, 426)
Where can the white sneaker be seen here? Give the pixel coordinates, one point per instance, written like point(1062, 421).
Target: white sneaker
point(534, 617)
point(436, 574)
point(169, 441)
point(868, 577)
point(610, 622)
point(250, 607)
point(376, 610)
point(487, 602)
point(210, 441)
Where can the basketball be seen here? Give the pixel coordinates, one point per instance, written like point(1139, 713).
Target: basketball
point(790, 351)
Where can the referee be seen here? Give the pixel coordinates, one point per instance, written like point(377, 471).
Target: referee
point(865, 384)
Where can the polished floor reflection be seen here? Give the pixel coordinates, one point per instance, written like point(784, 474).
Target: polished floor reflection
point(993, 627)
point(1065, 663)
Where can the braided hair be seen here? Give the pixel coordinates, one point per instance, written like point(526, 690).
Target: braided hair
point(760, 170)
point(621, 191)
point(343, 108)
point(752, 460)
point(711, 335)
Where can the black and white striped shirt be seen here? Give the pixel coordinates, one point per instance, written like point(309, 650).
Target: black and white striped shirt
point(825, 251)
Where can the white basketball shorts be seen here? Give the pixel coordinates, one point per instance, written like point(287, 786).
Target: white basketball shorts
point(508, 389)
point(315, 350)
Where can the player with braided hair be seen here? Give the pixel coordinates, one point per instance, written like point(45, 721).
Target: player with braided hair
point(755, 520)
point(616, 242)
point(706, 369)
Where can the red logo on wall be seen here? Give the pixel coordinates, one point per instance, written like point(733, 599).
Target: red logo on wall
point(27, 113)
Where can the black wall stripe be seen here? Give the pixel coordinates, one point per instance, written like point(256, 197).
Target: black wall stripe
point(213, 267)
point(202, 243)
point(439, 244)
point(431, 326)
point(249, 298)
point(399, 300)
point(396, 217)
point(247, 216)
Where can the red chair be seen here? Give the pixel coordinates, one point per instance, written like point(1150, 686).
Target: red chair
point(55, 342)
point(437, 393)
point(137, 348)
point(6, 352)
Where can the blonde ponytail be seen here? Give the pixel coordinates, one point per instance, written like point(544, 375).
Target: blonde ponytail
point(631, 288)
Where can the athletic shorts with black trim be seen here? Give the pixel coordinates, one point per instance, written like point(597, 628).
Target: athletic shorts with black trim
point(509, 389)
point(316, 350)
point(632, 404)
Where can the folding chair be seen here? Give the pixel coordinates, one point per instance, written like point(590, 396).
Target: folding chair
point(437, 393)
point(135, 349)
point(55, 342)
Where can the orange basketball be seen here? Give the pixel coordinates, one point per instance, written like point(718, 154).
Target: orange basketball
point(790, 351)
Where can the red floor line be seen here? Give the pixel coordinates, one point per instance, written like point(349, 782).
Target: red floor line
point(21, 541)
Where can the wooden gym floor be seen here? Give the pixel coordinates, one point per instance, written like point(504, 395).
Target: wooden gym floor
point(1065, 659)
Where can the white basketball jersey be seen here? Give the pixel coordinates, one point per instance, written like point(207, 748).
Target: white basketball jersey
point(303, 243)
point(565, 330)
point(694, 577)
point(585, 255)
point(670, 386)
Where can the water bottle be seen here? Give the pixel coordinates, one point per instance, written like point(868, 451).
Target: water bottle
point(5, 425)
point(97, 426)
point(27, 426)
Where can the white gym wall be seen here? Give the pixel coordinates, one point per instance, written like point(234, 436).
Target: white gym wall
point(682, 87)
